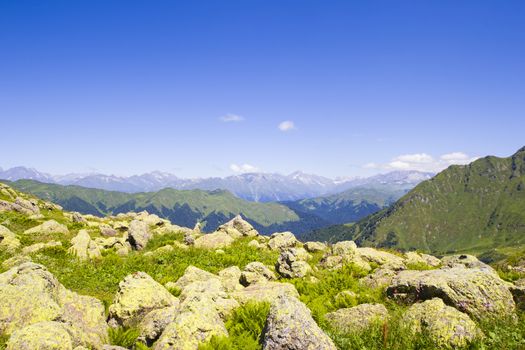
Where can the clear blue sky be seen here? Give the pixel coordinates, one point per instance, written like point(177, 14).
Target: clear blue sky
point(127, 87)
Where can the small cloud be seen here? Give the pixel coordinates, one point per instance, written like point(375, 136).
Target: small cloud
point(231, 118)
point(287, 125)
point(243, 168)
point(423, 162)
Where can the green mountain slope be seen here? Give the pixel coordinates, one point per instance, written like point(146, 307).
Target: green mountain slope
point(475, 207)
point(181, 207)
point(349, 206)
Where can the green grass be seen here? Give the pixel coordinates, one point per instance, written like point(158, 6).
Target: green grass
point(125, 337)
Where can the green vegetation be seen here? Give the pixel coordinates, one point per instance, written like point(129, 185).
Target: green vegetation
point(472, 208)
point(125, 337)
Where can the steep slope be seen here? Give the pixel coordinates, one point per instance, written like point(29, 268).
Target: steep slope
point(473, 207)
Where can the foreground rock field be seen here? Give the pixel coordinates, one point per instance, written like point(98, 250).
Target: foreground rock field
point(136, 281)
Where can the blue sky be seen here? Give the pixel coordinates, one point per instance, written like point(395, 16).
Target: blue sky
point(200, 88)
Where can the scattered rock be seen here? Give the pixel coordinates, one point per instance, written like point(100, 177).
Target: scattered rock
point(292, 264)
point(466, 261)
point(25, 206)
point(413, 258)
point(256, 272)
point(214, 240)
point(77, 217)
point(8, 241)
point(265, 292)
point(282, 240)
point(155, 322)
point(473, 291)
point(290, 326)
point(379, 278)
point(138, 295)
point(39, 246)
point(83, 247)
point(194, 274)
point(107, 231)
point(139, 234)
point(344, 248)
point(445, 325)
point(255, 244)
point(314, 247)
point(15, 261)
point(238, 227)
point(230, 278)
point(358, 318)
point(50, 226)
point(42, 336)
point(380, 257)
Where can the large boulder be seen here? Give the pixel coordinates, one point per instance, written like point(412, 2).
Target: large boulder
point(358, 318)
point(473, 291)
point(414, 258)
point(138, 234)
point(380, 257)
point(290, 326)
point(83, 247)
point(446, 326)
point(380, 278)
point(314, 247)
point(292, 263)
point(256, 272)
point(42, 336)
point(50, 226)
point(282, 240)
point(29, 295)
point(8, 240)
point(466, 261)
point(344, 248)
point(155, 322)
point(265, 292)
point(138, 295)
point(230, 278)
point(238, 227)
point(216, 240)
point(194, 274)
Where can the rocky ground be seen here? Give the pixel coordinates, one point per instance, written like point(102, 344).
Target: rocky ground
point(135, 281)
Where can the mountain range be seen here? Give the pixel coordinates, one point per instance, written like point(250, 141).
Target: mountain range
point(258, 187)
point(477, 208)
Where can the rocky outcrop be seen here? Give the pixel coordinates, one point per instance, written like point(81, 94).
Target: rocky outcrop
point(290, 326)
point(282, 240)
point(238, 227)
point(138, 295)
point(344, 253)
point(256, 272)
point(466, 261)
point(446, 326)
point(358, 318)
point(31, 297)
point(138, 234)
point(50, 226)
point(379, 278)
point(473, 291)
point(8, 241)
point(216, 240)
point(292, 263)
point(83, 247)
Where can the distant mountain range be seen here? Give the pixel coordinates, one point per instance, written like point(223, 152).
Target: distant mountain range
point(476, 208)
point(258, 187)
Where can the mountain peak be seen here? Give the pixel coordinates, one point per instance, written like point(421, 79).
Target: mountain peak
point(521, 150)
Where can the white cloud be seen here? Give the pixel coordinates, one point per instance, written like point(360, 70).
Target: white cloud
point(243, 168)
point(287, 125)
point(231, 118)
point(423, 162)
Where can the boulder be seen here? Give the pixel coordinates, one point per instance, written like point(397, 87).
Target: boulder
point(256, 272)
point(238, 227)
point(210, 293)
point(230, 278)
point(25, 206)
point(518, 293)
point(473, 291)
point(138, 234)
point(155, 322)
point(77, 217)
point(255, 244)
point(466, 261)
point(264, 292)
point(107, 231)
point(358, 318)
point(413, 258)
point(379, 278)
point(34, 248)
point(282, 240)
point(344, 248)
point(291, 263)
point(15, 261)
point(314, 247)
point(219, 239)
point(50, 226)
point(194, 274)
point(138, 295)
point(150, 219)
point(380, 257)
point(83, 247)
point(290, 326)
point(446, 326)
point(8, 241)
point(42, 336)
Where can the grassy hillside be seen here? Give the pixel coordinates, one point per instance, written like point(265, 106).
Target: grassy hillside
point(476, 207)
point(181, 207)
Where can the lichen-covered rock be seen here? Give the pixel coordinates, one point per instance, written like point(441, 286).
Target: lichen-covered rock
point(138, 234)
point(41, 336)
point(445, 325)
point(15, 261)
point(256, 272)
point(138, 295)
point(50, 226)
point(314, 247)
point(380, 257)
point(265, 292)
point(379, 278)
point(466, 261)
point(344, 248)
point(77, 217)
point(25, 206)
point(518, 293)
point(255, 244)
point(358, 318)
point(8, 241)
point(107, 231)
point(238, 227)
point(219, 239)
point(291, 263)
point(83, 247)
point(150, 219)
point(414, 258)
point(194, 274)
point(473, 291)
point(282, 240)
point(155, 322)
point(210, 293)
point(290, 326)
point(230, 278)
point(39, 246)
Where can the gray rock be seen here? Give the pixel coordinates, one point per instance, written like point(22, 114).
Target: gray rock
point(358, 318)
point(139, 234)
point(282, 240)
point(292, 264)
point(256, 272)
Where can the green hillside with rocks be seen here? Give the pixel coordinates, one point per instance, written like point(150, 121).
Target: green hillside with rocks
point(477, 207)
point(137, 281)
